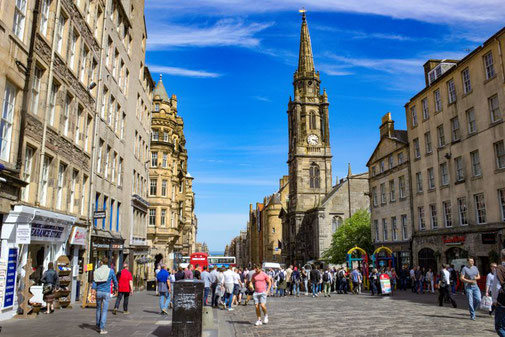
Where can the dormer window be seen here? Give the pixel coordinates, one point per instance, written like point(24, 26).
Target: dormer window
point(156, 107)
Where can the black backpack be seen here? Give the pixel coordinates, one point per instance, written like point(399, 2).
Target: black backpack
point(501, 293)
point(326, 277)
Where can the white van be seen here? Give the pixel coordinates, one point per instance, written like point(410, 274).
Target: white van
point(272, 265)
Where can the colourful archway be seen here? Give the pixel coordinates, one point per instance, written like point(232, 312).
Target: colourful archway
point(362, 261)
point(389, 259)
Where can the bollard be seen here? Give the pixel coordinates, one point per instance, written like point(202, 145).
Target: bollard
point(187, 311)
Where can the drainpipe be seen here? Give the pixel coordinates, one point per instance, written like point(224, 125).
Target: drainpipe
point(48, 93)
point(501, 60)
point(27, 93)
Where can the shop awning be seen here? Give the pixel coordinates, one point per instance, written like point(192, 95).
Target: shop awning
point(45, 226)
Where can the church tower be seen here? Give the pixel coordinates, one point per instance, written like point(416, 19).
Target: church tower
point(309, 141)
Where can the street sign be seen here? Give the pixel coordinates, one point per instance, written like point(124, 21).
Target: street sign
point(99, 215)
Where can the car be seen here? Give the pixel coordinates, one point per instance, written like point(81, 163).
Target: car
point(270, 265)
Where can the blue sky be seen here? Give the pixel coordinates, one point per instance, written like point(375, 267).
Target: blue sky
point(231, 65)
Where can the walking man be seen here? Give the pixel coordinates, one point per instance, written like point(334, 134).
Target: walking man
point(355, 281)
point(163, 279)
point(229, 285)
point(327, 280)
point(125, 289)
point(205, 275)
point(262, 284)
point(314, 281)
point(444, 283)
point(499, 297)
point(102, 278)
point(213, 284)
point(469, 276)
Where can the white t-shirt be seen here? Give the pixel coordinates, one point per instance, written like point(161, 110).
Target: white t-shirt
point(228, 276)
point(446, 275)
point(236, 278)
point(489, 280)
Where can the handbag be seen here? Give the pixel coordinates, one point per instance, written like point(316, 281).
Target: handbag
point(47, 289)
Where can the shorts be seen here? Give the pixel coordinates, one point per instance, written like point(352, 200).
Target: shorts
point(236, 289)
point(260, 298)
point(229, 287)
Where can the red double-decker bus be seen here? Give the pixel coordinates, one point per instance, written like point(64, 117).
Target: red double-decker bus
point(200, 259)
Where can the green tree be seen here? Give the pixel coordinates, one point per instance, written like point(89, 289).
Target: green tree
point(355, 231)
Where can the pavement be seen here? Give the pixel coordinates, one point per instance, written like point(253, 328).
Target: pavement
point(403, 314)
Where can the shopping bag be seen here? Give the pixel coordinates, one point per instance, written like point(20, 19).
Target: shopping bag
point(486, 303)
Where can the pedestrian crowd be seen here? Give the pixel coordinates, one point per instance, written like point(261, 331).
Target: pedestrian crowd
point(229, 287)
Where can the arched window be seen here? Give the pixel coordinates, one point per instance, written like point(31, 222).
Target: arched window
point(336, 222)
point(314, 174)
point(312, 121)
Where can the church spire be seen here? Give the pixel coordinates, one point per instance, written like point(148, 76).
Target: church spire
point(305, 59)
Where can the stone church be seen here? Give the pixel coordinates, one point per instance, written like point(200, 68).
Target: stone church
point(315, 206)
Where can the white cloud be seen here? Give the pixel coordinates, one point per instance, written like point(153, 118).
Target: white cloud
point(225, 32)
point(435, 11)
point(175, 71)
point(262, 98)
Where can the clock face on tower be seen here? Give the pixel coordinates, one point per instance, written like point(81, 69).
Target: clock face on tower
point(313, 140)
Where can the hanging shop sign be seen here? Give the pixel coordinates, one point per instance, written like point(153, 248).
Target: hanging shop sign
point(454, 240)
point(78, 236)
point(10, 282)
point(99, 215)
point(23, 234)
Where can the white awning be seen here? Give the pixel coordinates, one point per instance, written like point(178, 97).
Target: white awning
point(45, 226)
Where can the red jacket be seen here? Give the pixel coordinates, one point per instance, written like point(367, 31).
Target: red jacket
point(124, 281)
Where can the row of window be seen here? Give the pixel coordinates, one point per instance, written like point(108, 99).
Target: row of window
point(165, 137)
point(109, 163)
point(489, 70)
point(163, 216)
point(394, 229)
point(382, 166)
point(153, 190)
point(112, 208)
point(141, 149)
point(459, 168)
point(117, 67)
point(142, 112)
point(479, 208)
point(455, 128)
point(69, 187)
point(110, 112)
point(139, 184)
point(392, 192)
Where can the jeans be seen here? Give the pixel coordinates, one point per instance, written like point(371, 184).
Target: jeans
point(296, 288)
point(125, 303)
point(473, 295)
point(343, 285)
point(419, 286)
point(306, 285)
point(102, 305)
point(314, 289)
point(206, 292)
point(327, 288)
point(499, 320)
point(213, 301)
point(164, 300)
point(403, 284)
point(228, 298)
point(319, 287)
point(373, 285)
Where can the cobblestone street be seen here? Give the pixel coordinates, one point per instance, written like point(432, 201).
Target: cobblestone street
point(405, 314)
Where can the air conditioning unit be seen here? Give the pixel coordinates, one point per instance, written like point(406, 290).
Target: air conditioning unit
point(439, 70)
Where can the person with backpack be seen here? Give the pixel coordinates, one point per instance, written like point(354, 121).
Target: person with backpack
point(305, 280)
point(103, 277)
point(314, 280)
point(281, 283)
point(444, 283)
point(295, 281)
point(125, 289)
point(327, 280)
point(51, 281)
point(498, 295)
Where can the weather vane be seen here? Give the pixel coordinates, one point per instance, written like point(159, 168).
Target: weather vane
point(303, 11)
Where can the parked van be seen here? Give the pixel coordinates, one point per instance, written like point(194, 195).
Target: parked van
point(270, 265)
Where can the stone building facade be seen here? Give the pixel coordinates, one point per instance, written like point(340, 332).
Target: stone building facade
point(390, 192)
point(121, 136)
point(456, 136)
point(172, 223)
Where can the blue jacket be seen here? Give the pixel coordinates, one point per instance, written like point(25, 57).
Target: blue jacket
point(105, 286)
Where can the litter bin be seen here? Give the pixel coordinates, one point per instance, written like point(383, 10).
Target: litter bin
point(151, 285)
point(187, 311)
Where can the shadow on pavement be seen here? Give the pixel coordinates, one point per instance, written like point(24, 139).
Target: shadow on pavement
point(87, 326)
point(162, 331)
point(239, 322)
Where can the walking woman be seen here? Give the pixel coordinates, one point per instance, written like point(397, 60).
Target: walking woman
point(51, 281)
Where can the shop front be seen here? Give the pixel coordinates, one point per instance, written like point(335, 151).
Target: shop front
point(401, 251)
point(431, 251)
point(29, 232)
point(106, 244)
point(77, 248)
